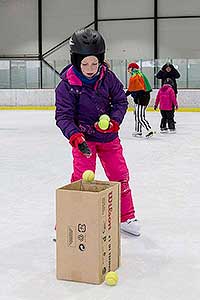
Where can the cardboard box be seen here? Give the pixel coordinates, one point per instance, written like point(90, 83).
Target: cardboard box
point(87, 230)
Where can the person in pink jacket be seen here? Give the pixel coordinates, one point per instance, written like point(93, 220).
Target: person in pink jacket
point(167, 99)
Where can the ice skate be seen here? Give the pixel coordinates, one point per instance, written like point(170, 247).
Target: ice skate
point(131, 226)
point(172, 130)
point(137, 134)
point(164, 130)
point(149, 134)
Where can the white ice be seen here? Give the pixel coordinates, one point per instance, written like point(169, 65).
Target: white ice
point(162, 264)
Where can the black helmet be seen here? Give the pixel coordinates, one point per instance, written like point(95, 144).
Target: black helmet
point(87, 42)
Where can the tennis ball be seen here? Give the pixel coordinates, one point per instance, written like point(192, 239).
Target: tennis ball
point(104, 117)
point(88, 176)
point(111, 278)
point(103, 124)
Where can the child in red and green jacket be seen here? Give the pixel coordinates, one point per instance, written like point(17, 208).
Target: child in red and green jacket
point(139, 88)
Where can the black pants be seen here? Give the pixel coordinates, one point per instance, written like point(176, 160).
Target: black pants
point(167, 117)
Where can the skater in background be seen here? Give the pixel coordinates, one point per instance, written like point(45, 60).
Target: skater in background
point(88, 90)
point(139, 88)
point(166, 98)
point(169, 71)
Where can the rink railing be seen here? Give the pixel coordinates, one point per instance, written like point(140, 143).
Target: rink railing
point(34, 74)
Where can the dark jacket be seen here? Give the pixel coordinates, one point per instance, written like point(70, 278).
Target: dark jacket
point(141, 98)
point(79, 106)
point(173, 74)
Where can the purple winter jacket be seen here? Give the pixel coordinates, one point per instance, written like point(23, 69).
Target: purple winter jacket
point(79, 106)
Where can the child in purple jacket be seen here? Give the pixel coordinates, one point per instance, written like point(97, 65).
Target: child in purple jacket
point(88, 90)
point(167, 99)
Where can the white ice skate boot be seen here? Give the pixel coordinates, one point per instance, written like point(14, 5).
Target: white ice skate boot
point(131, 226)
point(164, 130)
point(172, 130)
point(137, 134)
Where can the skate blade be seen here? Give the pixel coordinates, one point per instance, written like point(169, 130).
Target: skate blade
point(137, 135)
point(164, 132)
point(150, 135)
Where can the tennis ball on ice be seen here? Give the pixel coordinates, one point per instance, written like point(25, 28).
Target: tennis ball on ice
point(111, 278)
point(103, 124)
point(105, 117)
point(88, 176)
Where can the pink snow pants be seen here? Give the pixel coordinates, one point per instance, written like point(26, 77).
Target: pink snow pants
point(114, 164)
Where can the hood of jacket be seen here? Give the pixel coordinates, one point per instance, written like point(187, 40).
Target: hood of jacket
point(167, 65)
point(68, 74)
point(165, 87)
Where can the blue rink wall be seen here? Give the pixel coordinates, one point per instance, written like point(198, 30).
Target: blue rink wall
point(189, 100)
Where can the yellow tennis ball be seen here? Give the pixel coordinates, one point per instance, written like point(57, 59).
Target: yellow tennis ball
point(88, 176)
point(103, 124)
point(111, 278)
point(104, 117)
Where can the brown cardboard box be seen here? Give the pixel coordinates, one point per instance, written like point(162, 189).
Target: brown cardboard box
point(87, 230)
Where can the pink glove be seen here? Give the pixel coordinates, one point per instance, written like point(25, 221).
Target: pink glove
point(113, 127)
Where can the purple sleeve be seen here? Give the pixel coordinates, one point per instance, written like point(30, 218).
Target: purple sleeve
point(65, 110)
point(119, 103)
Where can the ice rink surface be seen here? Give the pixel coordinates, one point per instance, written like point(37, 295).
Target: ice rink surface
point(162, 264)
